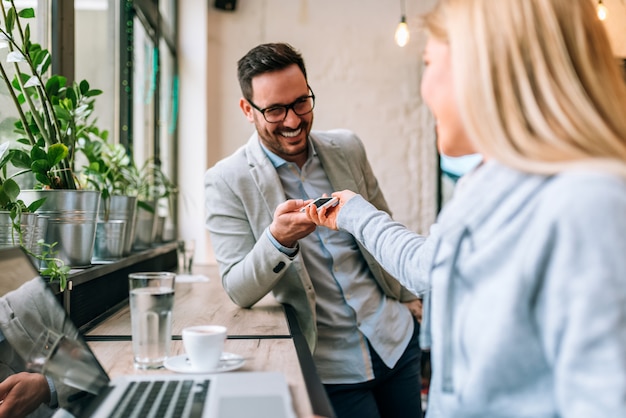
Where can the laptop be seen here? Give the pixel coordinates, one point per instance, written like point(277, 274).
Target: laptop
point(31, 313)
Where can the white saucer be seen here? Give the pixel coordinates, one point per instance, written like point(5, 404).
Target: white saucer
point(228, 362)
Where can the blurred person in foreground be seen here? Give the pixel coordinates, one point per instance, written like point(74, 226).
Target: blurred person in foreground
point(527, 311)
point(364, 341)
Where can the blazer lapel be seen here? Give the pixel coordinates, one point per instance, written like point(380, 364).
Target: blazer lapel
point(263, 173)
point(335, 164)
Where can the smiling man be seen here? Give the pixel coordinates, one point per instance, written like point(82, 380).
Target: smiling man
point(363, 338)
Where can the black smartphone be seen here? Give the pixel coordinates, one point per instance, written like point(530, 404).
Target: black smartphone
point(322, 202)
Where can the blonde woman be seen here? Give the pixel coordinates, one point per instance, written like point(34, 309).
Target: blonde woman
point(527, 264)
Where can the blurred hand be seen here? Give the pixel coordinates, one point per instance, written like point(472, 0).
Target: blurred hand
point(22, 393)
point(328, 216)
point(289, 224)
point(415, 306)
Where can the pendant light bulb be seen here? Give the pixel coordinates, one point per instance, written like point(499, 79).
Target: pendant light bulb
point(402, 32)
point(602, 11)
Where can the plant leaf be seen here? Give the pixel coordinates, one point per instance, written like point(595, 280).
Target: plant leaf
point(53, 86)
point(38, 153)
point(40, 166)
point(43, 179)
point(27, 13)
point(94, 92)
point(15, 56)
point(11, 189)
point(21, 159)
point(10, 19)
point(36, 204)
point(84, 87)
point(33, 81)
point(56, 153)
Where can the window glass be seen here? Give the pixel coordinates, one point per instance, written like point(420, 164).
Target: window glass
point(144, 86)
point(96, 57)
point(167, 8)
point(168, 113)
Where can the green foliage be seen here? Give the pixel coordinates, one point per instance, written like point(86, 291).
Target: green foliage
point(54, 268)
point(152, 184)
point(110, 169)
point(10, 190)
point(53, 114)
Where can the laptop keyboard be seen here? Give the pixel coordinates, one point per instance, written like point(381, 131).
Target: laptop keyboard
point(163, 399)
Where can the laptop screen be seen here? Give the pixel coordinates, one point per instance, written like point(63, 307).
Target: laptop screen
point(36, 327)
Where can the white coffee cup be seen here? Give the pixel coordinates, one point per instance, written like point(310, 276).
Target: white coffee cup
point(203, 346)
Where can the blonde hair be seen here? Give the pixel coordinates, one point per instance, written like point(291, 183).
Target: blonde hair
point(538, 86)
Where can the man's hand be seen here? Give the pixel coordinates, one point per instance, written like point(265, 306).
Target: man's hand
point(415, 306)
point(289, 224)
point(22, 393)
point(328, 216)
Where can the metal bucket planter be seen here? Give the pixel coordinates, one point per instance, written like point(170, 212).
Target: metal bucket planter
point(72, 216)
point(9, 237)
point(121, 208)
point(41, 228)
point(109, 243)
point(145, 228)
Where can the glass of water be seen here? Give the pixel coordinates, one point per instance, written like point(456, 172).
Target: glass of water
point(151, 303)
point(66, 359)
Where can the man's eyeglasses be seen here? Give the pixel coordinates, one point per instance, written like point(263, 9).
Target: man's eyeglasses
point(276, 114)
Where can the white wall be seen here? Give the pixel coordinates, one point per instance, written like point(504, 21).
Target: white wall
point(362, 81)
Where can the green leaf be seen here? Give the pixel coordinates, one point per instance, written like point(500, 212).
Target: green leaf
point(146, 206)
point(20, 159)
point(11, 189)
point(92, 93)
point(36, 204)
point(4, 199)
point(27, 13)
point(38, 153)
point(62, 113)
point(71, 95)
point(43, 179)
point(27, 35)
point(10, 20)
point(84, 87)
point(40, 166)
point(56, 153)
point(53, 86)
point(42, 68)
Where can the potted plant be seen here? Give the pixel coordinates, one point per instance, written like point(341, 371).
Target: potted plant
point(109, 171)
point(18, 224)
point(17, 221)
point(153, 186)
point(52, 116)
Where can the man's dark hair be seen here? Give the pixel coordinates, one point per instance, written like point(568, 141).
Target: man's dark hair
point(266, 58)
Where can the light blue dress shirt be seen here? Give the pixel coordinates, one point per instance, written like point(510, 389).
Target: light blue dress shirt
point(350, 307)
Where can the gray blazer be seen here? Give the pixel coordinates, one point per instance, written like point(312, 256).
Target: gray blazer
point(24, 314)
point(243, 190)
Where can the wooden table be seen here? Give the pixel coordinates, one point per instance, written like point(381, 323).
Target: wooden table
point(267, 336)
point(201, 303)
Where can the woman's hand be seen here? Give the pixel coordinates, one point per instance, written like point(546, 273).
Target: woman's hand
point(328, 216)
